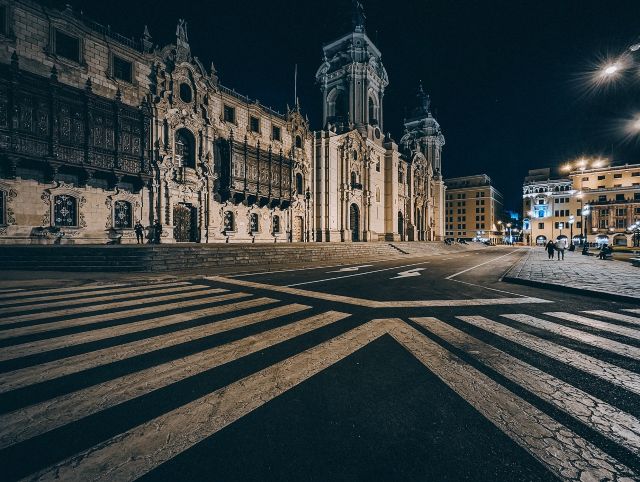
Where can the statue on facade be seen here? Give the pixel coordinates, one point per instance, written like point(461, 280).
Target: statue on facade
point(181, 30)
point(358, 15)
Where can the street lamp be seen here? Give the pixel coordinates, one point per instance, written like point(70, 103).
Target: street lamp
point(531, 239)
point(635, 229)
point(584, 214)
point(571, 221)
point(509, 227)
point(307, 198)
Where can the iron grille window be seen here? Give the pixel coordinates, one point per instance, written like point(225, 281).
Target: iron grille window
point(254, 124)
point(65, 211)
point(275, 133)
point(122, 218)
point(299, 183)
point(229, 114)
point(276, 224)
point(185, 148)
point(253, 223)
point(67, 46)
point(122, 69)
point(228, 221)
point(3, 214)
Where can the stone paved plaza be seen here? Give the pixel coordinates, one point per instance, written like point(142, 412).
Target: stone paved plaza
point(588, 273)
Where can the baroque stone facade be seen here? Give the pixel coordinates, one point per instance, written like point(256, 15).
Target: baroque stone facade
point(99, 131)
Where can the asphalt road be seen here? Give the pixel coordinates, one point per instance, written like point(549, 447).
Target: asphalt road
point(407, 369)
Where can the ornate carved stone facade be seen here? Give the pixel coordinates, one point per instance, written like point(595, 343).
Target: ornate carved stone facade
point(98, 131)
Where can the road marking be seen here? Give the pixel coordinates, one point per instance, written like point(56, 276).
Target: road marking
point(481, 264)
point(115, 315)
point(71, 289)
point(96, 299)
point(374, 303)
point(65, 409)
point(616, 425)
point(599, 325)
point(75, 296)
point(357, 274)
point(76, 322)
point(10, 290)
point(598, 368)
point(632, 310)
point(581, 336)
point(408, 274)
point(40, 346)
point(66, 366)
point(350, 268)
point(615, 316)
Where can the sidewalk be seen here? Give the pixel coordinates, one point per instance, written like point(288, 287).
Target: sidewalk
point(577, 273)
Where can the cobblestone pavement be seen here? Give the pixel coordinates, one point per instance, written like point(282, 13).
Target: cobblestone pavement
point(119, 382)
point(580, 272)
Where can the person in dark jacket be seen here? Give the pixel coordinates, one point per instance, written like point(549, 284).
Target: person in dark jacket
point(139, 230)
point(550, 247)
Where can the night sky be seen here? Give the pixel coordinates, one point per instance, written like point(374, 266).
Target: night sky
point(508, 79)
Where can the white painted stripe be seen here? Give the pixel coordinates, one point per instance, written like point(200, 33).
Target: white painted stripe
point(70, 289)
point(128, 456)
point(575, 359)
point(375, 303)
point(112, 307)
point(599, 325)
point(84, 361)
point(615, 316)
point(632, 310)
point(65, 409)
point(478, 265)
point(75, 296)
point(136, 452)
point(40, 346)
point(11, 290)
point(359, 274)
point(616, 425)
point(97, 299)
point(563, 452)
point(74, 322)
point(581, 336)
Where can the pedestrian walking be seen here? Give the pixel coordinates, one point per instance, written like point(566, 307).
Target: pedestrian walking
point(139, 229)
point(560, 249)
point(550, 247)
point(157, 232)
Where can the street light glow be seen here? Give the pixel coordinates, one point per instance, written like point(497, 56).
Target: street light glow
point(610, 70)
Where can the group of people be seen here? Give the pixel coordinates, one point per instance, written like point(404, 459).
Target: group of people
point(555, 247)
point(155, 233)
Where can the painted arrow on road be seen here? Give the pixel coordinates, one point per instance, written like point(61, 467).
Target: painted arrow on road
point(350, 268)
point(409, 273)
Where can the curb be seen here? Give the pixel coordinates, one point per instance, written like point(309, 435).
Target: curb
point(571, 289)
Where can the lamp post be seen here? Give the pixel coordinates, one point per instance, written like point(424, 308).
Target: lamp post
point(509, 228)
point(307, 198)
point(531, 240)
point(585, 214)
point(635, 229)
point(571, 221)
point(499, 223)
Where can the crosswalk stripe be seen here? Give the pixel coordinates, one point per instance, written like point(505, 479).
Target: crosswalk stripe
point(580, 361)
point(65, 409)
point(632, 310)
point(615, 316)
point(111, 306)
point(41, 346)
point(71, 289)
point(562, 451)
point(611, 422)
point(581, 336)
point(600, 325)
point(89, 294)
point(10, 290)
point(127, 456)
point(84, 361)
point(140, 295)
point(73, 322)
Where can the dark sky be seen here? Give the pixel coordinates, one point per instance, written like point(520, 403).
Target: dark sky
point(505, 76)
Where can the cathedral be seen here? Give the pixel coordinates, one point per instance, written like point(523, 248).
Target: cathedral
point(100, 132)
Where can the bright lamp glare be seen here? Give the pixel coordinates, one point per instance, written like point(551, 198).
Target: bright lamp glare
point(610, 69)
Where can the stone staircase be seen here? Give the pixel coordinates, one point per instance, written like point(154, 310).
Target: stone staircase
point(200, 257)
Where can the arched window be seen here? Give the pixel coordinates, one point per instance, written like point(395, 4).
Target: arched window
point(354, 179)
point(299, 183)
point(373, 114)
point(122, 215)
point(276, 224)
point(299, 142)
point(400, 175)
point(185, 148)
point(65, 210)
point(185, 93)
point(378, 164)
point(254, 225)
point(3, 208)
point(228, 221)
point(377, 194)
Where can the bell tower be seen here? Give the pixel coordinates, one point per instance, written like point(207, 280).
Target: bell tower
point(352, 79)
